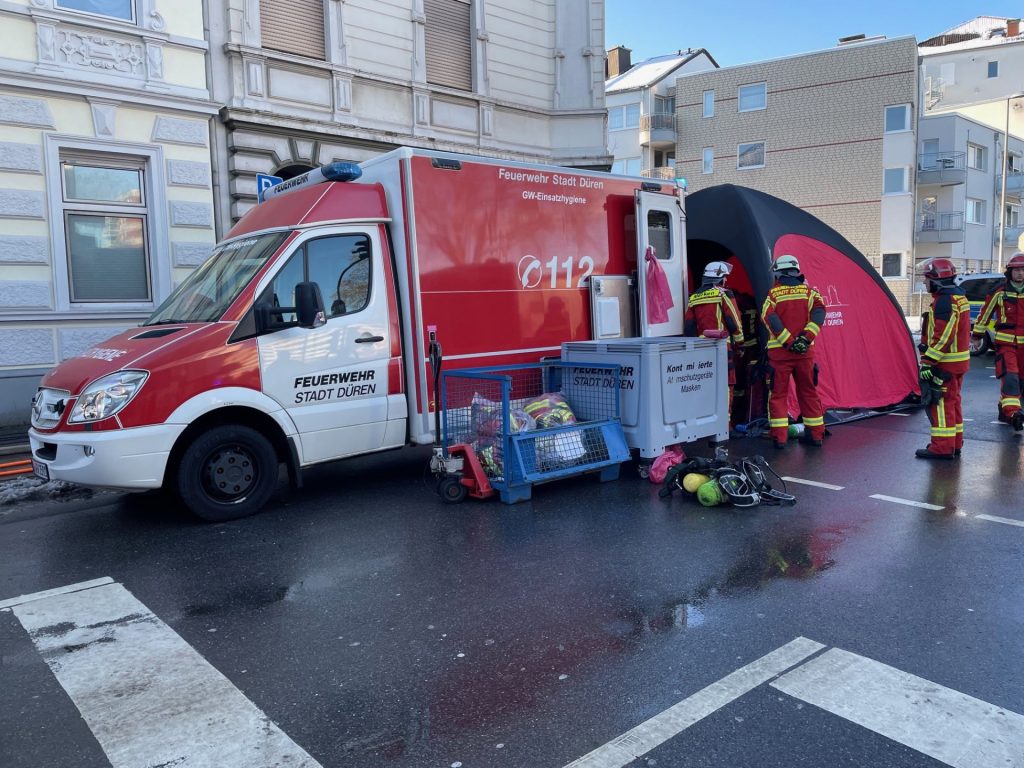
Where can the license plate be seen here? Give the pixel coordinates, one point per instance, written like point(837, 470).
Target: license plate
point(40, 469)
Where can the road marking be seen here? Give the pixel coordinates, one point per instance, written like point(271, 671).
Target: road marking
point(677, 718)
point(10, 603)
point(1005, 520)
point(1005, 424)
point(146, 694)
point(906, 502)
point(897, 414)
point(968, 420)
point(815, 483)
point(950, 726)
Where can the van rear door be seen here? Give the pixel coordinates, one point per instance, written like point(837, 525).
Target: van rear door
point(659, 225)
point(332, 380)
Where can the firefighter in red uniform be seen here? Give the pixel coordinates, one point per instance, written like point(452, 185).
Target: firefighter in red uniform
point(945, 358)
point(1005, 307)
point(793, 313)
point(713, 308)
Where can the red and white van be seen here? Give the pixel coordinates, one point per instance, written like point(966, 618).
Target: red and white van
point(304, 337)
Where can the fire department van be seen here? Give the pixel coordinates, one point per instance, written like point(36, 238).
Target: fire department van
point(305, 337)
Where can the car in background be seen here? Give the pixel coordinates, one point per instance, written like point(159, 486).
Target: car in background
point(977, 286)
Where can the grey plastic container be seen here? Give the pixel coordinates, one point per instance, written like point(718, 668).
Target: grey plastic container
point(674, 389)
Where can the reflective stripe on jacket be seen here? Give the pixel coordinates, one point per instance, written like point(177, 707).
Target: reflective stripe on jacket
point(1004, 309)
point(947, 331)
point(713, 308)
point(792, 308)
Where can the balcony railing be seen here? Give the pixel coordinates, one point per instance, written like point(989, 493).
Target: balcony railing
point(1011, 234)
point(658, 128)
point(1014, 182)
point(661, 172)
point(941, 227)
point(942, 168)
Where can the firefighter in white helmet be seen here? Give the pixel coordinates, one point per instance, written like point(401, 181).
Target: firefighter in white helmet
point(711, 312)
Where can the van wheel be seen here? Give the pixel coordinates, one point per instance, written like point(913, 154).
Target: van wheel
point(980, 346)
point(227, 473)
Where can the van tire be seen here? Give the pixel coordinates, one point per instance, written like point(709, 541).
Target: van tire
point(227, 473)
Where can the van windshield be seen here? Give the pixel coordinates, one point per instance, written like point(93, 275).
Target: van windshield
point(207, 293)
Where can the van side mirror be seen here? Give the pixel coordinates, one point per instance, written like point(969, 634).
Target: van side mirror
point(309, 306)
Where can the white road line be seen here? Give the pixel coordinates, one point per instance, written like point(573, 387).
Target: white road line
point(10, 603)
point(906, 502)
point(945, 724)
point(677, 718)
point(814, 483)
point(966, 420)
point(897, 414)
point(1005, 520)
point(147, 695)
point(999, 422)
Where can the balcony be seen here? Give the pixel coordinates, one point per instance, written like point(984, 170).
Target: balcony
point(1014, 183)
point(1010, 234)
point(658, 129)
point(945, 168)
point(661, 172)
point(940, 227)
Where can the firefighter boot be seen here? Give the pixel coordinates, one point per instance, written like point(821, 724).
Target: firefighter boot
point(924, 453)
point(1017, 421)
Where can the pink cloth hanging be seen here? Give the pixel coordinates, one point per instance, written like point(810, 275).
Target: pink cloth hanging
point(659, 294)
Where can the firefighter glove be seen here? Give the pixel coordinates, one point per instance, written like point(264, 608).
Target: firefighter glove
point(928, 375)
point(800, 344)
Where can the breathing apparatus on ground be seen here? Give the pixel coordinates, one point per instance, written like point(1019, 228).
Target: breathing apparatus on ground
point(743, 483)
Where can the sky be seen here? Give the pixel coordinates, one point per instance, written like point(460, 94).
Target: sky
point(743, 31)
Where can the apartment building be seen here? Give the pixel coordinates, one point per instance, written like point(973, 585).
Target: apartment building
point(832, 132)
point(106, 198)
point(641, 105)
point(309, 82)
point(976, 69)
point(960, 188)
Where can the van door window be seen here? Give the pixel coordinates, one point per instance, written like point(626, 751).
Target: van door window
point(340, 265)
point(659, 233)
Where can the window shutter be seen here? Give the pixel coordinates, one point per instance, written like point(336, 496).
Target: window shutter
point(296, 26)
point(448, 39)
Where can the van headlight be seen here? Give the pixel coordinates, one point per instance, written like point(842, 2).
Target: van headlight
point(106, 396)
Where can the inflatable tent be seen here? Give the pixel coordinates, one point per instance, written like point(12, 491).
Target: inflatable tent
point(865, 353)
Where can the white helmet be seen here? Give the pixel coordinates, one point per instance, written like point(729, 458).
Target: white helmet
point(786, 263)
point(717, 270)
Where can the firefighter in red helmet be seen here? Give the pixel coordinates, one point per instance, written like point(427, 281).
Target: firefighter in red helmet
point(945, 358)
point(1004, 308)
point(793, 313)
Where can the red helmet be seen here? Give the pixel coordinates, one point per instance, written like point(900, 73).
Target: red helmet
point(1016, 261)
point(939, 269)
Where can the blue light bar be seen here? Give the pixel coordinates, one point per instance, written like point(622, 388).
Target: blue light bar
point(332, 172)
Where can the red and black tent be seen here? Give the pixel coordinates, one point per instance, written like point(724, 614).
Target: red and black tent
point(865, 352)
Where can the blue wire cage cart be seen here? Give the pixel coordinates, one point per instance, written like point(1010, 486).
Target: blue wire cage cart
point(506, 428)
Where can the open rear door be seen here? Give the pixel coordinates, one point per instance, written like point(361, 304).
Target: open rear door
point(659, 225)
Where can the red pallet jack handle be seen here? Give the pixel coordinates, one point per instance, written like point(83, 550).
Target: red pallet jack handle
point(473, 475)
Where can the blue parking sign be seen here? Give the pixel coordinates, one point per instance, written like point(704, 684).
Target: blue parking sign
point(265, 181)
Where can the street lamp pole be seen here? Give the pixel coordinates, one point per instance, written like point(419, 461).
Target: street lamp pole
point(1002, 192)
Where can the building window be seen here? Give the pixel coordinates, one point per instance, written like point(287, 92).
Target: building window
point(892, 265)
point(1012, 216)
point(897, 118)
point(664, 105)
point(753, 97)
point(895, 181)
point(626, 116)
point(448, 37)
point(993, 69)
point(117, 9)
point(750, 155)
point(709, 159)
point(975, 211)
point(630, 166)
point(105, 212)
point(976, 157)
point(709, 104)
point(295, 27)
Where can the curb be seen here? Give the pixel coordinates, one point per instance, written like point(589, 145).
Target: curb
point(7, 450)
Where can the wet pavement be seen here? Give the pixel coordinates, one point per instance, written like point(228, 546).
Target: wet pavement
point(378, 627)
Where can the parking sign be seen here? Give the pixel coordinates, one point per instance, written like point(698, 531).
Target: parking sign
point(265, 181)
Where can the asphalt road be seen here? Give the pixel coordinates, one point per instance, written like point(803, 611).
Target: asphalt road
point(373, 626)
